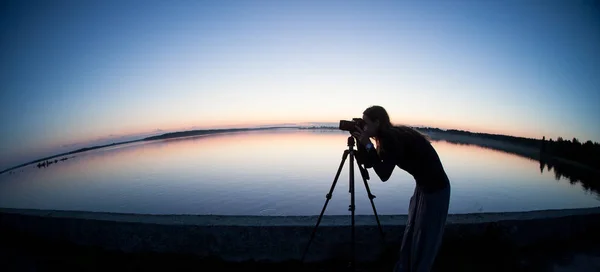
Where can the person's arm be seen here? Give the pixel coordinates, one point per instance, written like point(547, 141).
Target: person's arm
point(361, 156)
point(384, 165)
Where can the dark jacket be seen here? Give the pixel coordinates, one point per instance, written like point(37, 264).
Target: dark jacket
point(417, 157)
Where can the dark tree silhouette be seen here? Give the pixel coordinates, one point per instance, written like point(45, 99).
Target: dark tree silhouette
point(587, 154)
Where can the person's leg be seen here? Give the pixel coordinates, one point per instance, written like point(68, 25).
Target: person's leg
point(429, 234)
point(403, 262)
point(419, 223)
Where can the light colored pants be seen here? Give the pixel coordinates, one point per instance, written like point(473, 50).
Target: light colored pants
point(424, 230)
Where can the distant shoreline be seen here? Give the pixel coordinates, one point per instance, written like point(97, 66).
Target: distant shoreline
point(66, 154)
point(525, 147)
point(152, 138)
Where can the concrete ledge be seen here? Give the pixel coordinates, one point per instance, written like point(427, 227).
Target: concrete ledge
point(279, 239)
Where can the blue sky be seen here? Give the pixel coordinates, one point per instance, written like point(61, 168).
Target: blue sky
point(73, 72)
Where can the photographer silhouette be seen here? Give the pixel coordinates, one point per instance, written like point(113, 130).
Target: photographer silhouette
point(411, 151)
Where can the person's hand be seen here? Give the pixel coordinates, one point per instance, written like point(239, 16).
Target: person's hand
point(361, 136)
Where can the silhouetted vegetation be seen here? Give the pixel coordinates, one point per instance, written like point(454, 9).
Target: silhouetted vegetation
point(505, 138)
point(98, 147)
point(191, 133)
point(319, 127)
point(587, 153)
point(202, 132)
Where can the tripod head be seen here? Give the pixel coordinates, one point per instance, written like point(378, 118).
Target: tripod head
point(351, 141)
point(363, 170)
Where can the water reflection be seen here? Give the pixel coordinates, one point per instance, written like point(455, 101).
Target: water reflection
point(587, 178)
point(274, 172)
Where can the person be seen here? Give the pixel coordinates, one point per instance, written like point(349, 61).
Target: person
point(411, 151)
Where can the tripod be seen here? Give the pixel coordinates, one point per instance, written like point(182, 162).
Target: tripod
point(365, 175)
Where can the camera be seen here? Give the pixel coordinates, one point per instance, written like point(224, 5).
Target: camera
point(351, 125)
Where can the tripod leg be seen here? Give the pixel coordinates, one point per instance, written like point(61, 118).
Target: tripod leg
point(328, 196)
point(352, 209)
point(371, 197)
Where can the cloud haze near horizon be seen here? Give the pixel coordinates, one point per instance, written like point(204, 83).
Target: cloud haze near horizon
point(82, 71)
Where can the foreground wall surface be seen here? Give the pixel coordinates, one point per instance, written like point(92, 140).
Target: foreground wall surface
point(277, 239)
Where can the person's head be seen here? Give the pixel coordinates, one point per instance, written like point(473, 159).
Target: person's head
point(377, 121)
point(379, 126)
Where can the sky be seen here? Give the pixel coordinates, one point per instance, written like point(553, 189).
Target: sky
point(76, 72)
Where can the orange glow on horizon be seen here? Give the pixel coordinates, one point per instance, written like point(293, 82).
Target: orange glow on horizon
point(251, 122)
point(179, 127)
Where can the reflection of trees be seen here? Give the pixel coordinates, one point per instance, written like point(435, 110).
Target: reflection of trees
point(504, 138)
point(465, 143)
point(587, 178)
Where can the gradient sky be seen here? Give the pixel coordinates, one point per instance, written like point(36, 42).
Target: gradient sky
point(77, 71)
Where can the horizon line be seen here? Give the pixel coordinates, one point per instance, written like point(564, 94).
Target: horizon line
point(232, 127)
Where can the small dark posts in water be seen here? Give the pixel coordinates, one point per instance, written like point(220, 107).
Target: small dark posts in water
point(48, 163)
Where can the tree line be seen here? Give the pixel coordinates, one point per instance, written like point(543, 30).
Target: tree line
point(587, 153)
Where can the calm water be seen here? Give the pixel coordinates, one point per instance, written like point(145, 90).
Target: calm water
point(277, 172)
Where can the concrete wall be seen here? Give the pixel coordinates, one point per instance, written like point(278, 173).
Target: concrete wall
point(276, 239)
